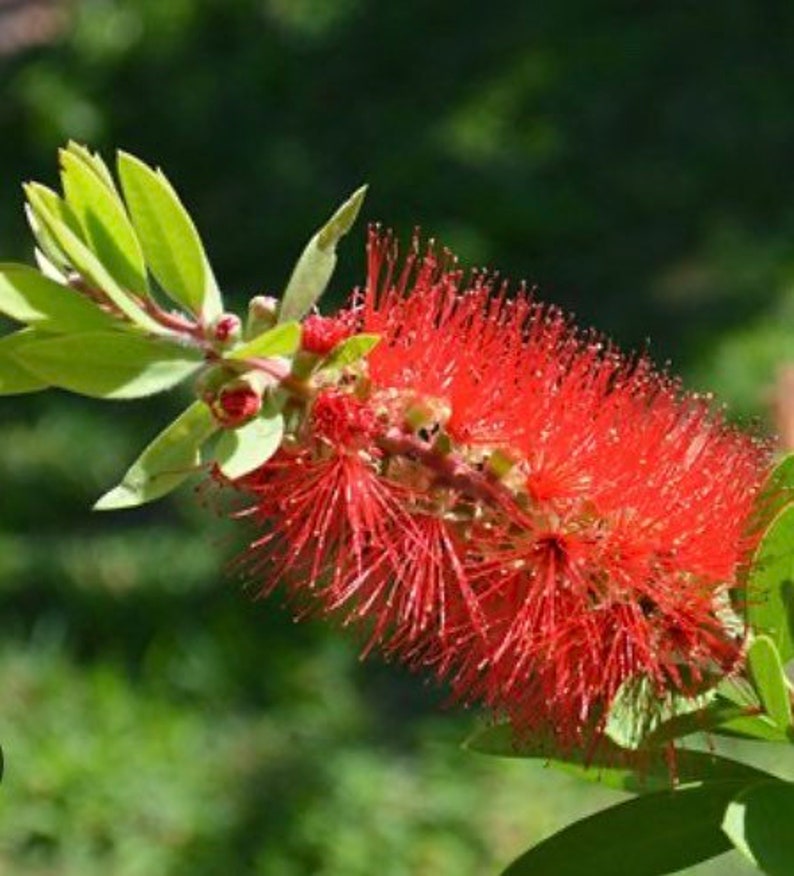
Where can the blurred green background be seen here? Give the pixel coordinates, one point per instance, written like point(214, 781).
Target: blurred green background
point(632, 159)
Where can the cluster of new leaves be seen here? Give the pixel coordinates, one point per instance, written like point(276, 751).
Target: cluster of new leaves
point(124, 304)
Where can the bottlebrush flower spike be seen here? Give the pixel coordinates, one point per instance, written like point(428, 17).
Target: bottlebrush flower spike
point(508, 501)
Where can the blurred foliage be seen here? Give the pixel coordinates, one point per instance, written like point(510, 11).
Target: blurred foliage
point(631, 159)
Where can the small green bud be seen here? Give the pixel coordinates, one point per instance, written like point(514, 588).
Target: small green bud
point(262, 315)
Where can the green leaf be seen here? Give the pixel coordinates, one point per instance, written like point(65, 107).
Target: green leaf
point(775, 494)
point(28, 296)
point(173, 456)
point(243, 450)
point(282, 340)
point(702, 720)
point(87, 264)
point(758, 728)
point(639, 772)
point(93, 160)
point(316, 264)
point(758, 822)
point(649, 835)
point(170, 241)
point(105, 224)
point(770, 584)
point(14, 379)
point(350, 350)
point(110, 364)
point(766, 672)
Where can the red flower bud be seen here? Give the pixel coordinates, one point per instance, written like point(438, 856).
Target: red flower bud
point(235, 404)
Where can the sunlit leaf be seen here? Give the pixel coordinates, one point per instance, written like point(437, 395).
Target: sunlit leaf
point(769, 679)
point(770, 584)
point(170, 241)
point(316, 264)
point(350, 350)
point(14, 379)
point(165, 463)
point(28, 296)
point(759, 823)
point(109, 364)
point(105, 224)
point(240, 451)
point(93, 160)
point(282, 340)
point(88, 265)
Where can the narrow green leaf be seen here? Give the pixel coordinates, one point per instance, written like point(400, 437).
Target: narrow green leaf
point(316, 264)
point(699, 721)
point(105, 224)
point(109, 364)
point(650, 835)
point(766, 672)
point(282, 340)
point(638, 772)
point(28, 296)
point(243, 450)
point(758, 728)
point(173, 455)
point(14, 379)
point(170, 241)
point(350, 350)
point(770, 584)
point(758, 822)
point(89, 266)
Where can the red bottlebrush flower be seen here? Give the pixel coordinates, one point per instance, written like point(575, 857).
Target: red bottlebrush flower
point(322, 333)
point(512, 503)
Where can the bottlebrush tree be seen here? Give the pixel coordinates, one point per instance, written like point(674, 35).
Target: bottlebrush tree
point(557, 530)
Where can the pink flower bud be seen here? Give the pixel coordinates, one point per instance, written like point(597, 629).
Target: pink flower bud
point(225, 329)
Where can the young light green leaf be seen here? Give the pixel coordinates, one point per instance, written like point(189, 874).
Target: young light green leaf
point(93, 161)
point(41, 197)
point(28, 296)
point(170, 241)
point(650, 835)
point(51, 254)
point(769, 679)
point(240, 451)
point(88, 265)
point(14, 379)
point(282, 340)
point(639, 772)
point(109, 365)
point(316, 264)
point(165, 463)
point(106, 228)
point(758, 822)
point(350, 350)
point(770, 584)
point(48, 268)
